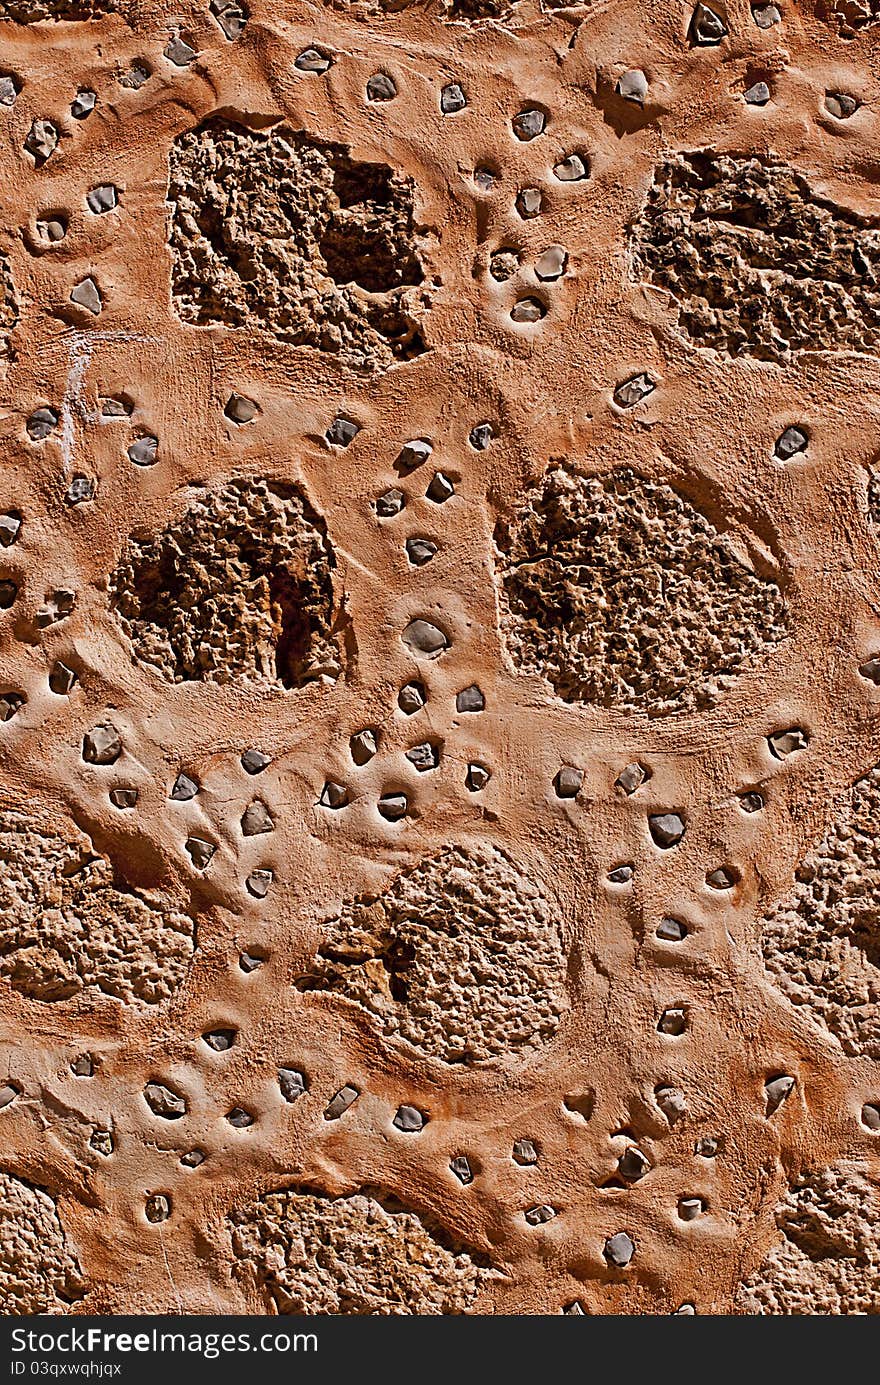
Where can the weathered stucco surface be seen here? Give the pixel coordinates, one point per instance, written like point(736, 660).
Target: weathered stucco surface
point(440, 657)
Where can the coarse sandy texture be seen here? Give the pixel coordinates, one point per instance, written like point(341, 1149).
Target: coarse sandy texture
point(438, 547)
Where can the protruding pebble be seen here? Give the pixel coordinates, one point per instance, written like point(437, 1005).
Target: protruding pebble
point(529, 202)
point(184, 788)
point(11, 704)
point(52, 230)
point(254, 761)
point(672, 1103)
point(333, 795)
point(441, 488)
point(41, 140)
point(124, 797)
point(364, 745)
point(164, 1102)
point(8, 90)
point(80, 490)
point(619, 1250)
point(83, 1066)
point(8, 1092)
point(230, 16)
point(220, 1040)
point(667, 829)
point(8, 593)
point(250, 961)
point(412, 698)
point(256, 819)
point(85, 294)
point(10, 527)
point(870, 669)
point(61, 679)
point(671, 930)
point(462, 1169)
point(480, 436)
point(58, 606)
point(192, 1158)
point(390, 503)
point(116, 406)
point(706, 27)
point(424, 639)
point(633, 86)
point(632, 1164)
point(312, 60)
point(484, 179)
point(758, 94)
point(528, 124)
point(144, 451)
point(621, 875)
point(413, 454)
point(292, 1083)
point(524, 1152)
point(789, 443)
point(673, 1021)
point(102, 745)
point(477, 777)
point(258, 882)
point(157, 1207)
point(381, 87)
point(410, 1119)
point(785, 743)
point(178, 51)
point(41, 423)
point(550, 264)
point(871, 1117)
point(199, 851)
point(452, 99)
point(707, 1147)
point(344, 1098)
point(751, 801)
point(470, 699)
point(687, 1310)
point(420, 551)
point(537, 1216)
point(777, 1091)
point(342, 431)
point(632, 391)
point(689, 1208)
point(568, 782)
point(136, 76)
point(574, 1310)
point(528, 310)
point(424, 757)
point(840, 105)
point(102, 199)
point(239, 1118)
point(83, 104)
point(721, 878)
point(393, 806)
point(570, 169)
point(239, 409)
point(765, 16)
point(632, 777)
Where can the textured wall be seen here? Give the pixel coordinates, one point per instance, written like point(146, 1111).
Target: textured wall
point(440, 657)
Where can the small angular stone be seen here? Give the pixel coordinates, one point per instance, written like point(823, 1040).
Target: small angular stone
point(424, 757)
point(462, 1169)
point(192, 1158)
point(870, 669)
point(632, 777)
point(344, 1098)
point(673, 1021)
point(752, 801)
point(632, 1164)
point(537, 1216)
point(528, 310)
point(765, 16)
point(550, 265)
point(102, 199)
point(8, 90)
point(470, 699)
point(256, 819)
point(633, 86)
point(672, 1103)
point(524, 1152)
point(239, 1118)
point(871, 1117)
point(477, 777)
point(157, 1208)
point(333, 795)
point(342, 431)
point(757, 95)
point(164, 1102)
point(785, 743)
point(123, 798)
point(667, 829)
point(82, 1066)
point(116, 407)
point(689, 1208)
point(184, 788)
point(83, 104)
point(381, 87)
point(410, 1119)
point(250, 961)
point(179, 52)
point(144, 451)
point(574, 1310)
point(480, 436)
point(390, 503)
point(230, 16)
point(570, 169)
point(420, 551)
point(393, 806)
point(632, 391)
point(671, 930)
point(484, 179)
point(311, 60)
point(841, 106)
point(42, 140)
point(568, 782)
point(529, 124)
point(239, 409)
point(219, 1039)
point(529, 202)
point(441, 488)
point(254, 761)
point(80, 490)
point(292, 1083)
point(621, 875)
point(102, 1142)
point(135, 77)
point(258, 882)
point(85, 294)
point(199, 851)
point(777, 1091)
point(41, 423)
point(722, 878)
point(102, 745)
point(619, 1250)
point(11, 704)
point(687, 1310)
point(452, 99)
point(413, 454)
point(10, 527)
point(707, 1147)
point(8, 1092)
point(61, 679)
point(706, 27)
point(424, 639)
point(363, 745)
point(411, 698)
point(789, 443)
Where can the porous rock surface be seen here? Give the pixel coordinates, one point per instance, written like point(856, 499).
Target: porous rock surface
point(38, 1271)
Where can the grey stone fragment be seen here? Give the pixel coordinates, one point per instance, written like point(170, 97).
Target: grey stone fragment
point(116, 407)
point(250, 961)
point(524, 1152)
point(10, 527)
point(484, 179)
point(82, 1066)
point(8, 90)
point(573, 1310)
point(785, 743)
point(441, 488)
point(632, 777)
point(765, 16)
point(8, 593)
point(789, 443)
point(529, 202)
point(102, 1142)
point(869, 669)
point(312, 60)
point(452, 99)
point(667, 829)
point(157, 1207)
point(81, 489)
point(477, 777)
point(381, 87)
point(410, 1119)
point(239, 1118)
point(333, 795)
point(344, 1098)
point(671, 930)
point(220, 1040)
point(619, 1250)
point(199, 851)
point(8, 1092)
point(364, 745)
point(231, 16)
point(342, 431)
point(632, 1164)
point(393, 806)
point(420, 551)
point(529, 124)
point(292, 1083)
point(470, 699)
point(11, 704)
point(752, 801)
point(164, 1102)
point(528, 310)
point(462, 1169)
point(673, 1021)
point(758, 94)
point(550, 264)
point(722, 878)
point(254, 761)
point(633, 86)
point(144, 451)
point(568, 782)
point(85, 294)
point(706, 27)
point(672, 1103)
point(83, 104)
point(41, 140)
point(424, 757)
point(707, 1147)
point(61, 679)
point(632, 391)
point(177, 51)
point(124, 797)
point(390, 503)
point(424, 639)
point(689, 1208)
point(871, 1117)
point(621, 875)
point(41, 423)
point(777, 1091)
point(413, 454)
point(687, 1310)
point(537, 1216)
point(52, 230)
point(184, 788)
point(411, 698)
point(258, 882)
point(102, 745)
point(240, 409)
point(135, 77)
point(570, 169)
point(256, 819)
point(481, 436)
point(192, 1158)
point(841, 106)
point(102, 199)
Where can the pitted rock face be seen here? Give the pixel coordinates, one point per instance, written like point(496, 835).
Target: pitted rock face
point(288, 235)
point(33, 11)
point(359, 1256)
point(851, 16)
point(67, 924)
point(38, 1271)
point(461, 957)
point(239, 588)
point(821, 944)
point(619, 593)
point(719, 230)
point(829, 1261)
